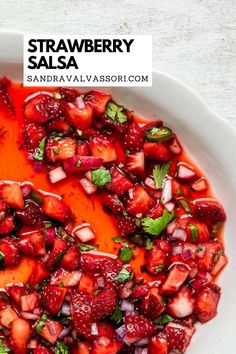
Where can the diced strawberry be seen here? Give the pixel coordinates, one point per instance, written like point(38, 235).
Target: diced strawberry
point(84, 232)
point(208, 210)
point(62, 149)
point(219, 264)
point(140, 201)
point(158, 344)
point(178, 336)
point(197, 231)
point(112, 202)
point(59, 248)
point(91, 262)
point(43, 108)
point(156, 211)
point(104, 303)
point(103, 147)
point(82, 315)
point(53, 297)
point(140, 291)
point(33, 133)
point(81, 163)
point(20, 333)
point(157, 257)
point(86, 283)
point(79, 113)
point(7, 225)
point(207, 302)
point(211, 252)
point(182, 303)
point(104, 345)
point(110, 269)
point(119, 182)
point(7, 316)
point(38, 274)
point(152, 304)
point(82, 148)
point(83, 348)
point(42, 350)
point(58, 125)
point(126, 225)
point(51, 331)
point(29, 302)
point(69, 94)
point(137, 327)
point(68, 279)
point(32, 244)
point(177, 275)
point(12, 194)
point(15, 291)
point(106, 329)
point(134, 138)
point(55, 208)
point(157, 151)
point(9, 251)
point(135, 163)
point(71, 259)
point(30, 215)
point(98, 101)
point(6, 104)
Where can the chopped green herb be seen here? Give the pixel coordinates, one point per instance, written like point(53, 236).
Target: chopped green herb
point(117, 315)
point(79, 132)
point(199, 248)
point(117, 239)
point(138, 222)
point(83, 247)
point(159, 172)
point(217, 256)
point(149, 244)
point(159, 268)
point(59, 257)
point(36, 197)
point(62, 348)
point(163, 319)
point(78, 163)
point(179, 192)
point(56, 150)
point(100, 177)
point(116, 113)
point(4, 349)
point(61, 285)
point(41, 323)
point(185, 205)
point(123, 276)
point(126, 215)
point(156, 226)
point(2, 255)
point(194, 231)
point(96, 292)
point(125, 254)
point(39, 152)
point(57, 137)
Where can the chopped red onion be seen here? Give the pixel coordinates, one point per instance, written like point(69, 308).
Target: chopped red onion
point(131, 193)
point(185, 171)
point(177, 250)
point(141, 342)
point(84, 232)
point(35, 94)
point(149, 182)
point(121, 331)
point(38, 166)
point(170, 206)
point(64, 332)
point(186, 254)
point(171, 227)
point(37, 311)
point(33, 344)
point(200, 184)
point(26, 190)
point(166, 195)
point(139, 350)
point(51, 328)
point(94, 329)
point(88, 186)
point(29, 316)
point(102, 254)
point(80, 102)
point(56, 175)
point(88, 175)
point(65, 310)
point(179, 234)
point(175, 147)
point(126, 306)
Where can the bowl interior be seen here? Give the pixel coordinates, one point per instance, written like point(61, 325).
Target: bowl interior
point(210, 142)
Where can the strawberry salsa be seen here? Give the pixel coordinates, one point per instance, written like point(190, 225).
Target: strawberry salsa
point(80, 300)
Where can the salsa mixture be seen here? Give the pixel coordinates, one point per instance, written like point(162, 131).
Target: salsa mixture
point(110, 240)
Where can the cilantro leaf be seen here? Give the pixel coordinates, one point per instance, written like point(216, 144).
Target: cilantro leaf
point(62, 348)
point(39, 152)
point(117, 239)
point(116, 113)
point(117, 315)
point(125, 254)
point(100, 177)
point(194, 231)
point(122, 276)
point(4, 349)
point(41, 323)
point(159, 172)
point(156, 226)
point(149, 244)
point(83, 247)
point(163, 319)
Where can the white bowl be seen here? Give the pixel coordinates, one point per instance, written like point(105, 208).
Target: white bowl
point(209, 140)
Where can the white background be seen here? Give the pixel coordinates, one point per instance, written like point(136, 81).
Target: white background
point(194, 40)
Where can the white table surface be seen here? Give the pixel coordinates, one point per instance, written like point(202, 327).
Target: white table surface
point(194, 40)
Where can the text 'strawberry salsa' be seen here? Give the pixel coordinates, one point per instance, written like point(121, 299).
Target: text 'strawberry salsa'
point(125, 259)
